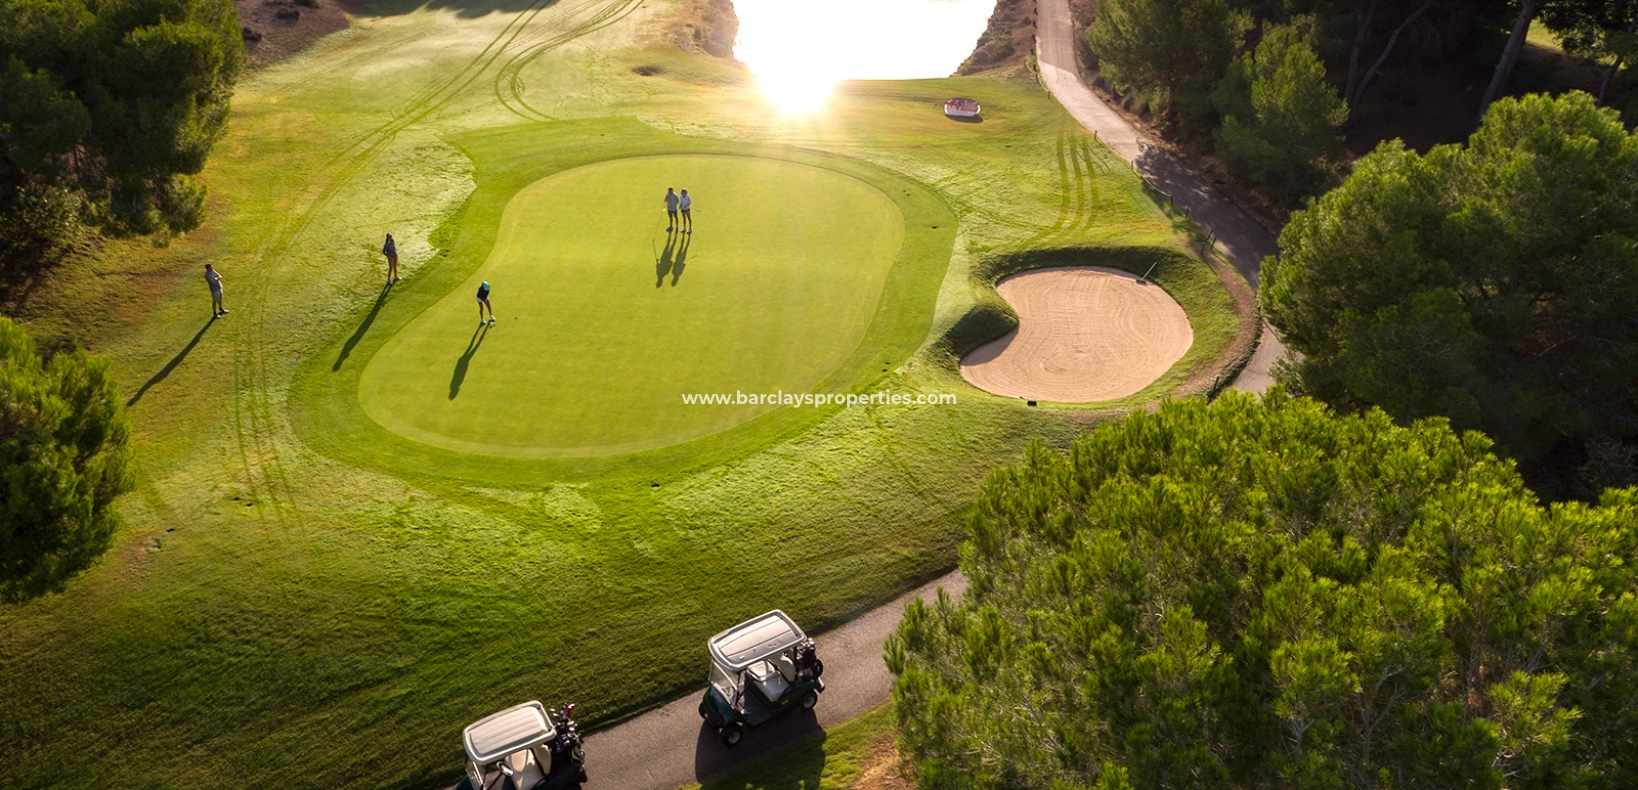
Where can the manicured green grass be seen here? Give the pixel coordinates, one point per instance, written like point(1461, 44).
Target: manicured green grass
point(876, 329)
point(303, 598)
point(607, 319)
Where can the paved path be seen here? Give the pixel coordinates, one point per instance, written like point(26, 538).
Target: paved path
point(670, 747)
point(1241, 239)
point(667, 748)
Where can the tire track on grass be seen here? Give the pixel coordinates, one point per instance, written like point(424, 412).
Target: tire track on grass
point(1094, 195)
point(510, 74)
point(505, 38)
point(1064, 209)
point(253, 414)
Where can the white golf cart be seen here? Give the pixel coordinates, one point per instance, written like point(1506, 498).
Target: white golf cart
point(760, 668)
point(521, 748)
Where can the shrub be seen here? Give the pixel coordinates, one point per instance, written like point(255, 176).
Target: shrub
point(64, 451)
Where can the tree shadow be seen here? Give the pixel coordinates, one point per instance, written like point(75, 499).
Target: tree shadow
point(347, 348)
point(465, 9)
point(1184, 197)
point(466, 360)
point(172, 365)
point(787, 753)
point(679, 264)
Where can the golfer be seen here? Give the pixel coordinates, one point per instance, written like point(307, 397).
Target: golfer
point(391, 251)
point(214, 279)
point(670, 209)
point(685, 204)
point(483, 301)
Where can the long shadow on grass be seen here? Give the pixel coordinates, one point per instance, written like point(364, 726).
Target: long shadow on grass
point(787, 753)
point(171, 365)
point(466, 360)
point(347, 348)
point(680, 263)
point(465, 9)
point(662, 264)
point(673, 259)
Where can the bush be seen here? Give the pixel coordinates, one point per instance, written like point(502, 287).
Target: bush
point(64, 451)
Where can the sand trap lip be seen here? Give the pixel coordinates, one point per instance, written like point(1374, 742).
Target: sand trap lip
point(1085, 334)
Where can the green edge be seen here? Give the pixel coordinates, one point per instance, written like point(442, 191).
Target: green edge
point(324, 406)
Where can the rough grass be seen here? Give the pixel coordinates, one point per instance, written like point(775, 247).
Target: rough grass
point(301, 600)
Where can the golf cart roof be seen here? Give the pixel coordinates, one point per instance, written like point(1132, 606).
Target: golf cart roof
point(512, 730)
point(754, 640)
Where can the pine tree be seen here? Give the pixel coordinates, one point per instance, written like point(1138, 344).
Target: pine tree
point(1280, 116)
point(64, 452)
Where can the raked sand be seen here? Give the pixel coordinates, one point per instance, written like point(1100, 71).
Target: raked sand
point(1085, 334)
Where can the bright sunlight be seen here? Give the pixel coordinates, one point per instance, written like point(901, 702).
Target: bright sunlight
point(799, 51)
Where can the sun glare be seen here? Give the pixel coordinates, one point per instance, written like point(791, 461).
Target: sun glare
point(800, 51)
point(796, 93)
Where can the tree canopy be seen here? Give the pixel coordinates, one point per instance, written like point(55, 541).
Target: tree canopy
point(64, 452)
point(1280, 115)
point(1263, 594)
point(1494, 283)
point(107, 106)
point(1174, 49)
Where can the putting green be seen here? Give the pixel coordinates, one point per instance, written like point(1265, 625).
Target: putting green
point(605, 320)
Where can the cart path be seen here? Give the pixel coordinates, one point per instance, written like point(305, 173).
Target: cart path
point(670, 747)
point(1241, 239)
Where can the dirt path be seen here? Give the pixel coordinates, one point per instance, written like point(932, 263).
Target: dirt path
point(667, 748)
point(1244, 242)
point(1085, 334)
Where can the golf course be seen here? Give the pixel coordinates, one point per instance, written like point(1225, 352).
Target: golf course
point(363, 520)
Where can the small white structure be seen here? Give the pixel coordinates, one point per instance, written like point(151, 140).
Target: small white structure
point(962, 108)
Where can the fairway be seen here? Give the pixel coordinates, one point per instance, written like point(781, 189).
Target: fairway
point(605, 320)
point(362, 524)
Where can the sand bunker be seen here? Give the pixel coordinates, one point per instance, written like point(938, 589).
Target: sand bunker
point(1085, 333)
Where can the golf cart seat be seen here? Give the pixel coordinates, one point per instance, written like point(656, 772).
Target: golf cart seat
point(770, 679)
point(526, 771)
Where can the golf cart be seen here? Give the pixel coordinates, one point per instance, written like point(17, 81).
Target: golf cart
point(521, 748)
point(760, 668)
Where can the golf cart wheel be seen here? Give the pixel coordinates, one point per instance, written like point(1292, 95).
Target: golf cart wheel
point(731, 734)
point(809, 700)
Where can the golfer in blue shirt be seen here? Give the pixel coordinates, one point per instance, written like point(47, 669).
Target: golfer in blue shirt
point(483, 301)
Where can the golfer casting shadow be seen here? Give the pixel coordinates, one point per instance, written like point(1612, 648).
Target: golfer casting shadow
point(358, 334)
point(171, 365)
point(672, 259)
point(466, 360)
